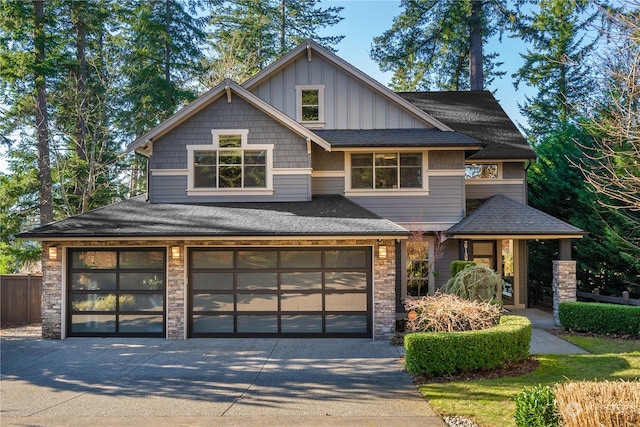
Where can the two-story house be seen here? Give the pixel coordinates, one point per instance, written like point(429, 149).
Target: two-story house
point(286, 206)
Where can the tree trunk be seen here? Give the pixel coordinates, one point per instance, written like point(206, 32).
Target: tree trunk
point(81, 113)
point(167, 54)
point(283, 26)
point(475, 46)
point(42, 126)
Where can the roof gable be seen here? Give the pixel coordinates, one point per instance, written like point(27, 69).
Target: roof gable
point(310, 49)
point(229, 89)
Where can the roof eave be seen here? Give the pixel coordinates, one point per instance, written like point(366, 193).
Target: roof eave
point(517, 236)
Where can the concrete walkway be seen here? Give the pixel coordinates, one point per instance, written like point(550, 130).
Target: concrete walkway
point(222, 382)
point(543, 342)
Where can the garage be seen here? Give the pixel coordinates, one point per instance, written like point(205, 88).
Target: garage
point(279, 292)
point(116, 292)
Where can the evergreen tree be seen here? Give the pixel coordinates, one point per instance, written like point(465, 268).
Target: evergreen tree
point(439, 44)
point(258, 32)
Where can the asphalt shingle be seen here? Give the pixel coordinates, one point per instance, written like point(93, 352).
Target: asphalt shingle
point(135, 217)
point(397, 138)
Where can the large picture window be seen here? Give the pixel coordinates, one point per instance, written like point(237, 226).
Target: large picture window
point(231, 163)
point(386, 170)
point(116, 292)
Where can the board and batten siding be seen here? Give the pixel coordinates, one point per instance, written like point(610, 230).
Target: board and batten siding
point(348, 102)
point(170, 151)
point(515, 190)
point(443, 205)
point(173, 189)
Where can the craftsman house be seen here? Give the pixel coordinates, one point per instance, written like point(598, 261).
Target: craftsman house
point(288, 206)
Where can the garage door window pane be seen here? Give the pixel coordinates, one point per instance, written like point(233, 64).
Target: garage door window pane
point(346, 259)
point(258, 281)
point(140, 324)
point(212, 259)
point(142, 281)
point(93, 281)
point(346, 302)
point(301, 302)
point(129, 302)
point(257, 259)
point(301, 281)
point(213, 302)
point(93, 323)
point(258, 324)
point(212, 281)
point(300, 259)
point(339, 280)
point(346, 324)
point(301, 324)
point(212, 324)
point(93, 302)
point(93, 259)
point(257, 302)
point(142, 259)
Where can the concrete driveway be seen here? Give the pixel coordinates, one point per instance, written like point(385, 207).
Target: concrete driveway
point(198, 382)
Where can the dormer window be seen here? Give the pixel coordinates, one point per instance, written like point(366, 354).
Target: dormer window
point(231, 163)
point(310, 104)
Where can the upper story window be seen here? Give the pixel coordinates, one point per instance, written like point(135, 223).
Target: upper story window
point(481, 171)
point(310, 104)
point(230, 163)
point(377, 171)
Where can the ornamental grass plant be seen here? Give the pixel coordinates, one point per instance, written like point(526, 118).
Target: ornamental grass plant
point(450, 313)
point(599, 403)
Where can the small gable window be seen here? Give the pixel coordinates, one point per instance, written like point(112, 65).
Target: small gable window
point(310, 104)
point(231, 163)
point(379, 171)
point(481, 171)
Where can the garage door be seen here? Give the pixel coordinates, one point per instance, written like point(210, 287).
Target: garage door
point(248, 292)
point(116, 292)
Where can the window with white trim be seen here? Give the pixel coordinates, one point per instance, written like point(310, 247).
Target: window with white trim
point(231, 163)
point(310, 104)
point(379, 171)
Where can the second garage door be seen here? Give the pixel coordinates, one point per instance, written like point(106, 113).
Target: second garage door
point(283, 292)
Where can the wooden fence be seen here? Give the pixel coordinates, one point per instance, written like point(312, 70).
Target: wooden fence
point(595, 295)
point(20, 296)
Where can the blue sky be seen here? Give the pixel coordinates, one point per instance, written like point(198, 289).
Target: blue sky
point(366, 19)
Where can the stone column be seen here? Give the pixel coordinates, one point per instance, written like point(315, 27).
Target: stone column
point(384, 291)
point(564, 285)
point(176, 296)
point(52, 292)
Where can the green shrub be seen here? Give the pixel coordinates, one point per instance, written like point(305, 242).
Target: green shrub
point(458, 266)
point(438, 353)
point(600, 318)
point(536, 407)
point(475, 283)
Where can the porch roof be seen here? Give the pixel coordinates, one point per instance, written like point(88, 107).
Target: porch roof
point(136, 218)
point(500, 216)
point(351, 138)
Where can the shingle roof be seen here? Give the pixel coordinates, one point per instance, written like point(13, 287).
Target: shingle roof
point(501, 215)
point(478, 115)
point(397, 138)
point(324, 215)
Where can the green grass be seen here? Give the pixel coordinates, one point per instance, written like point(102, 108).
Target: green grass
point(599, 345)
point(490, 402)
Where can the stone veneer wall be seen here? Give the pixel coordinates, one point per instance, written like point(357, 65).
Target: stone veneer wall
point(564, 285)
point(53, 293)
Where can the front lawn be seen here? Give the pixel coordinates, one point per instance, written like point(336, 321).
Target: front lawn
point(490, 401)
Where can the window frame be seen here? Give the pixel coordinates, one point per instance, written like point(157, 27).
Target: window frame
point(400, 191)
point(478, 178)
point(192, 190)
point(321, 118)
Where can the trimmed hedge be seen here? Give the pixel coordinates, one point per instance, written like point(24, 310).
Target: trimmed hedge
point(438, 353)
point(600, 318)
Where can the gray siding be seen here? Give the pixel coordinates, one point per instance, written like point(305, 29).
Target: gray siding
point(523, 265)
point(327, 185)
point(450, 253)
point(172, 189)
point(322, 160)
point(515, 191)
point(290, 150)
point(349, 104)
point(446, 160)
point(445, 203)
point(513, 170)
